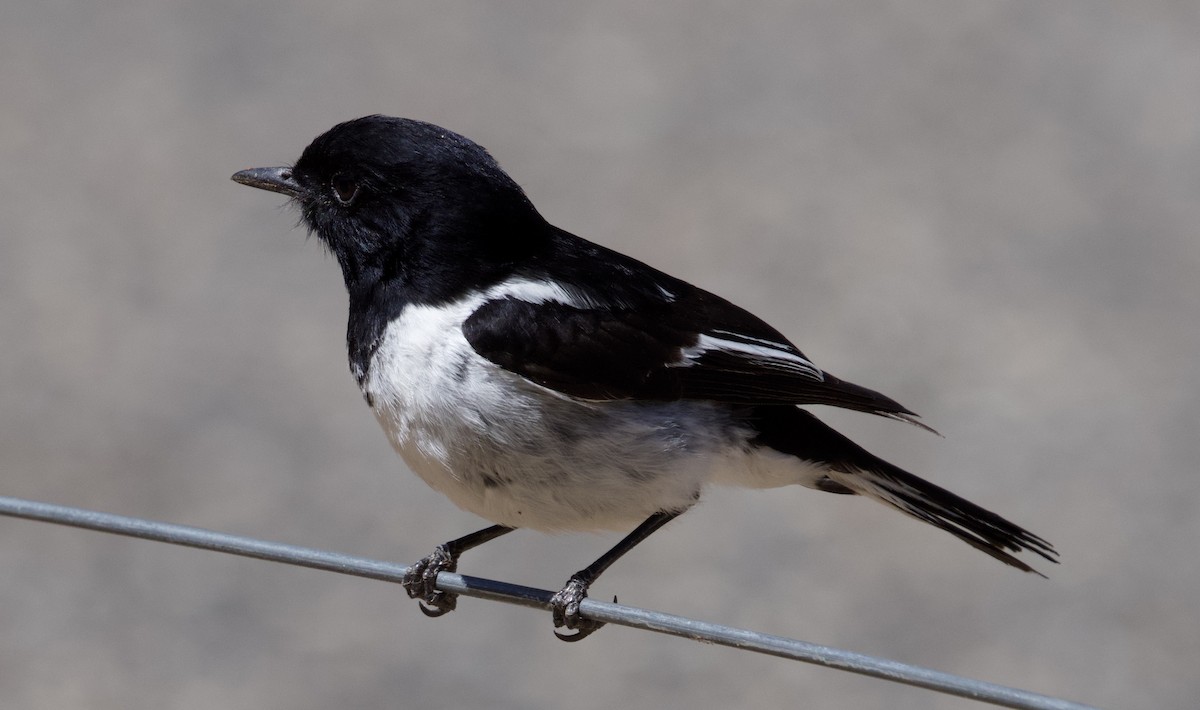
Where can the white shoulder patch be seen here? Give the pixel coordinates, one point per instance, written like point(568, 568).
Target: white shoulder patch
point(534, 292)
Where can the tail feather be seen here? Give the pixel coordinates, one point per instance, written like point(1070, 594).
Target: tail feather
point(974, 525)
point(852, 469)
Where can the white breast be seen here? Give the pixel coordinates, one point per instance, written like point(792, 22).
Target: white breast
point(521, 455)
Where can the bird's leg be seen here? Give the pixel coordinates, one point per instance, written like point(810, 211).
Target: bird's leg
point(564, 605)
point(420, 581)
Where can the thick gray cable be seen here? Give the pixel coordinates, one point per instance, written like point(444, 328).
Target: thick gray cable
point(618, 614)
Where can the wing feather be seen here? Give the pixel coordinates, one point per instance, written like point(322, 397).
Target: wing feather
point(696, 346)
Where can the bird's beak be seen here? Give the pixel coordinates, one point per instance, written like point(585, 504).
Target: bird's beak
point(274, 179)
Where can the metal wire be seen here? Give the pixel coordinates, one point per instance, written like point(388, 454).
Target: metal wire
point(618, 614)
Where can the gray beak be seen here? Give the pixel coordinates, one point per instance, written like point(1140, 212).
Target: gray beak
point(274, 179)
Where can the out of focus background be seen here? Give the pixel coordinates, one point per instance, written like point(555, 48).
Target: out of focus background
point(986, 209)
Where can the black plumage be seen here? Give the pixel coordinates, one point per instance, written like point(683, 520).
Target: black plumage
point(544, 381)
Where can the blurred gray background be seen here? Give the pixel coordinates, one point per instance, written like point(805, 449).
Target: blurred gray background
point(986, 209)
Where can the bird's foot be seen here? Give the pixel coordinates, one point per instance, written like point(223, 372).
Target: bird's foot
point(564, 606)
point(421, 582)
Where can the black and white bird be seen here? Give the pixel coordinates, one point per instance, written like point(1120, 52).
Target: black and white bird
point(542, 381)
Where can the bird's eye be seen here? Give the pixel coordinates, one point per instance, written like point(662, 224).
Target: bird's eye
point(345, 188)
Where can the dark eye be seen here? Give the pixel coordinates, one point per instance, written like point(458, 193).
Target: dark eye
point(345, 188)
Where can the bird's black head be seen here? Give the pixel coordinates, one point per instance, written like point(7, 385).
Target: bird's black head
point(408, 206)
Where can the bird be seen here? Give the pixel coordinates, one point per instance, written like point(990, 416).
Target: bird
point(543, 381)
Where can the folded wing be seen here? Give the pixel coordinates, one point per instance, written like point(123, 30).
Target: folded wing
point(697, 346)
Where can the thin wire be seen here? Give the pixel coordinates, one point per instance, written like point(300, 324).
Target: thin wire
point(618, 614)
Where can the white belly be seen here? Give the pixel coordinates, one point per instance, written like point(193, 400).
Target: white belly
point(521, 455)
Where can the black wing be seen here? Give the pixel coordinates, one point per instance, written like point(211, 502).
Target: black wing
point(690, 345)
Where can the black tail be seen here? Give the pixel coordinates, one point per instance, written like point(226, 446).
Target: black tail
point(937, 506)
point(854, 470)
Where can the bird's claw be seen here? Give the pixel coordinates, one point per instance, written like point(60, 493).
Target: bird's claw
point(444, 604)
point(564, 608)
point(421, 583)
